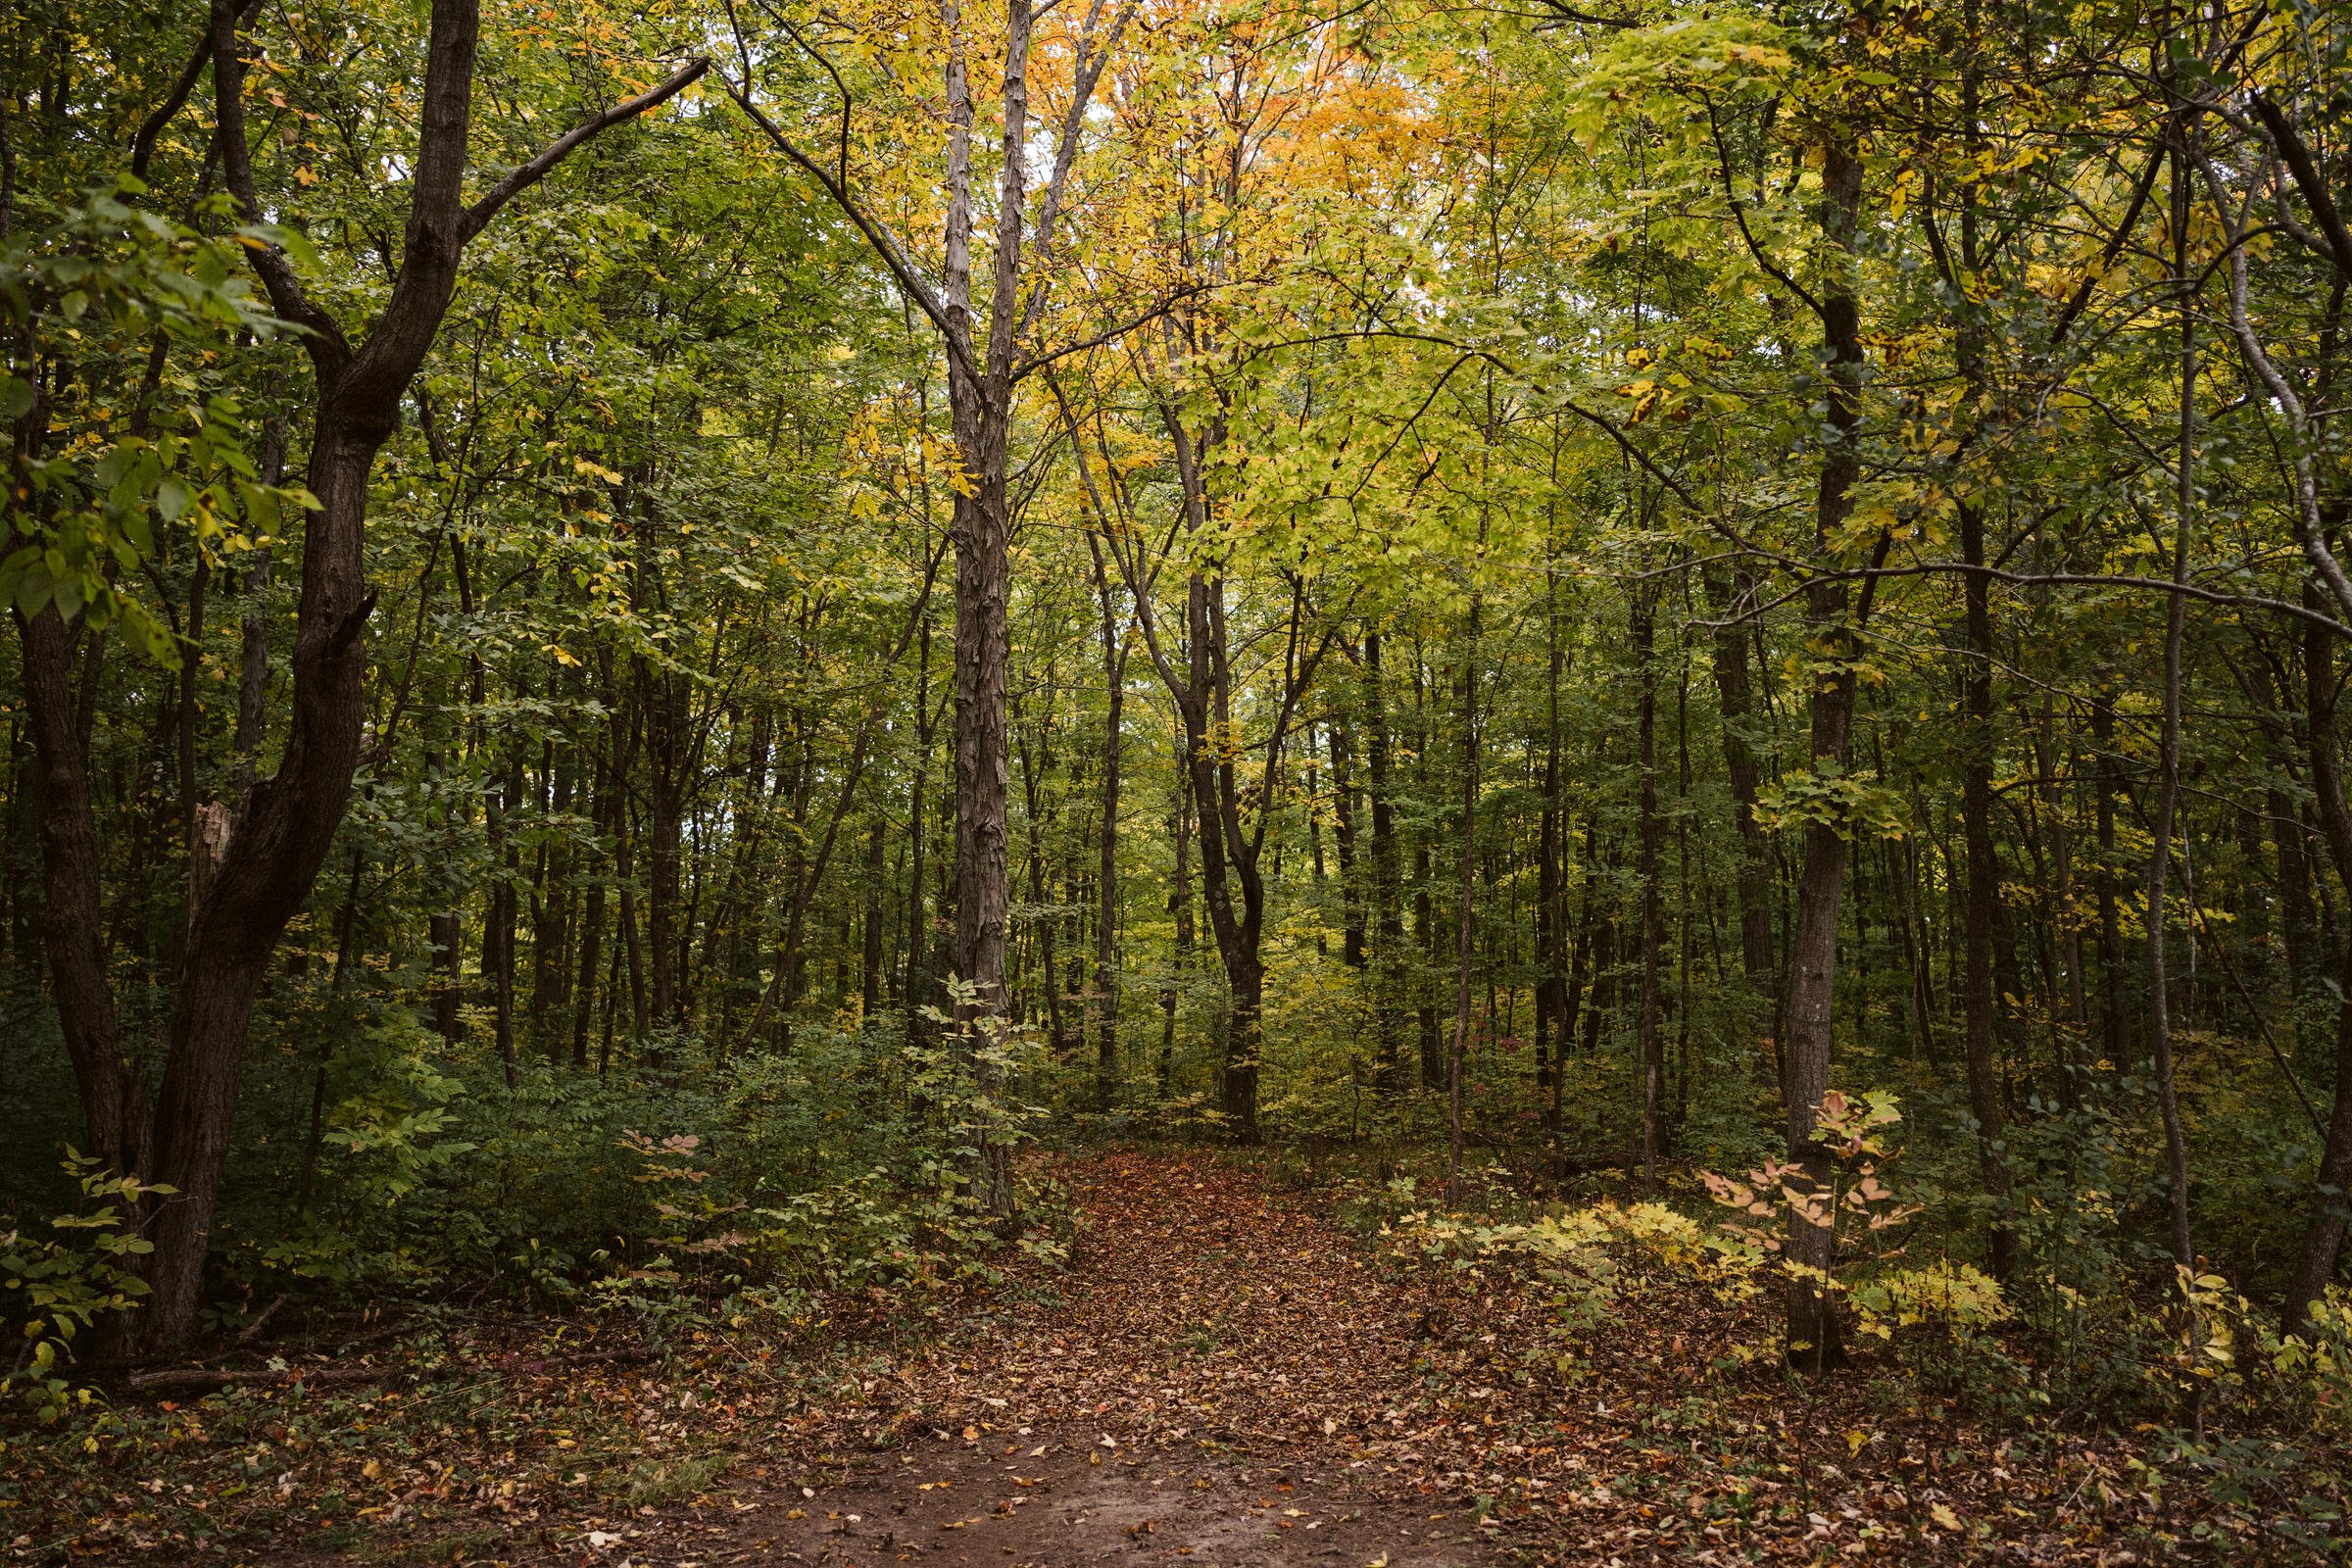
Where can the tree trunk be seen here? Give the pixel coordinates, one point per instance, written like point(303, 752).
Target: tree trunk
point(114, 1091)
point(1353, 952)
point(592, 929)
point(1231, 889)
point(1982, 906)
point(1643, 634)
point(2160, 1030)
point(498, 940)
point(1180, 906)
point(662, 705)
point(1387, 915)
point(1106, 844)
point(870, 980)
point(1813, 1340)
point(2324, 1226)
point(1736, 701)
point(913, 990)
point(1462, 920)
point(265, 871)
point(1551, 1005)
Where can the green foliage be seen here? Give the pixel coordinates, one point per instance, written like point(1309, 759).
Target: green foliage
point(624, 992)
point(58, 1286)
point(104, 305)
point(1852, 804)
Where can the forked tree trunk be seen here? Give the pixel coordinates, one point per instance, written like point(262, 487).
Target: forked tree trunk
point(981, 388)
point(286, 826)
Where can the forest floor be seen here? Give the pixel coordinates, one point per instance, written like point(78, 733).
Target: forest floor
point(1197, 1393)
point(1218, 1374)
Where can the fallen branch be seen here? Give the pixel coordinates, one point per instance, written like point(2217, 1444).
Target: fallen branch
point(197, 1377)
point(183, 1378)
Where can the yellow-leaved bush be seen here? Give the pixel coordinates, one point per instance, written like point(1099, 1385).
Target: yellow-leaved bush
point(1956, 1295)
point(1583, 1252)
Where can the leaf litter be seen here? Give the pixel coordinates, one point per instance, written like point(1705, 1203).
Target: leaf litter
point(1219, 1374)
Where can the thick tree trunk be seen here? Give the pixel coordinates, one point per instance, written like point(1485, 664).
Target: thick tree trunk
point(2324, 1226)
point(976, 950)
point(113, 1091)
point(270, 861)
point(278, 843)
point(980, 397)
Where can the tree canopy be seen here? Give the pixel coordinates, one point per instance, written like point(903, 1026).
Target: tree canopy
point(1616, 597)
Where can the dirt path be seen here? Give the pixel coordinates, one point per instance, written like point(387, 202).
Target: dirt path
point(1203, 1393)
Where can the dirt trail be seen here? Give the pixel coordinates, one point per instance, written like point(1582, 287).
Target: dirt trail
point(1200, 1394)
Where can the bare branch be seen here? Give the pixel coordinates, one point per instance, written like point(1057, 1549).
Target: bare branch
point(886, 247)
point(2297, 156)
point(142, 145)
point(478, 215)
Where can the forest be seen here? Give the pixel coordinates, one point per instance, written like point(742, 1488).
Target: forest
point(1580, 764)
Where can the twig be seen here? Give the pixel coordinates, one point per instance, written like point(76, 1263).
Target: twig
point(252, 1331)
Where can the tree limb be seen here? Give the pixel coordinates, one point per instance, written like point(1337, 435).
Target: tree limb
point(478, 215)
point(2297, 156)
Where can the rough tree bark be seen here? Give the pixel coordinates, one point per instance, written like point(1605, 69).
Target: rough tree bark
point(285, 825)
point(984, 372)
point(1813, 1340)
